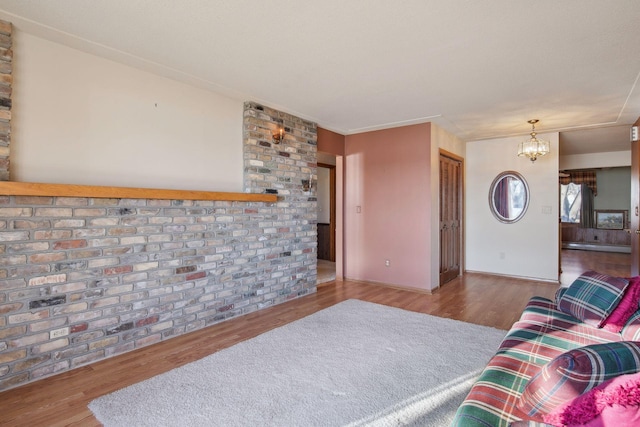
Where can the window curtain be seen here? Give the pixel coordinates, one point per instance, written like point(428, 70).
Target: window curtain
point(502, 198)
point(587, 219)
point(582, 177)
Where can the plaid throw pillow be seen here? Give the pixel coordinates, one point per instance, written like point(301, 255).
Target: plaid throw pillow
point(575, 372)
point(559, 294)
point(592, 297)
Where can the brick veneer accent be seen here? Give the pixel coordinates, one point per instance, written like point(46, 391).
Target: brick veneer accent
point(283, 166)
point(84, 279)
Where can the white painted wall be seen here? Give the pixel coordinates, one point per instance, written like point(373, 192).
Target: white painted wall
point(528, 248)
point(447, 141)
point(81, 119)
point(596, 160)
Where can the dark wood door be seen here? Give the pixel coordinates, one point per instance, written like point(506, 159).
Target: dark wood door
point(450, 217)
point(324, 242)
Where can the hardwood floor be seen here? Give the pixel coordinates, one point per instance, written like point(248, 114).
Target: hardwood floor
point(326, 271)
point(575, 262)
point(62, 400)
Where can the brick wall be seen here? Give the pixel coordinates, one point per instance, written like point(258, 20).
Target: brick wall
point(83, 279)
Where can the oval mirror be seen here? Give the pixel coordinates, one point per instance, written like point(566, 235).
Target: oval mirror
point(509, 197)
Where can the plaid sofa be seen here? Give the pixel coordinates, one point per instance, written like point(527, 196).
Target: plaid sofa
point(541, 334)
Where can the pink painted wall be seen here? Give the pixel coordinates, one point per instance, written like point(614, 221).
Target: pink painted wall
point(330, 142)
point(388, 178)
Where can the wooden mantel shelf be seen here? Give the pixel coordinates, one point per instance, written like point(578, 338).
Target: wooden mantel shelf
point(12, 188)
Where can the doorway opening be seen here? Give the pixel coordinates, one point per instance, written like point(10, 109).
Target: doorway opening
point(329, 198)
point(594, 219)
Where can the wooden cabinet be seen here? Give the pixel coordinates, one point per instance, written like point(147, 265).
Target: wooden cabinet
point(593, 236)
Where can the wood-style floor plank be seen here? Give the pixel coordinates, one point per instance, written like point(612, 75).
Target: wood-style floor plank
point(575, 262)
point(62, 400)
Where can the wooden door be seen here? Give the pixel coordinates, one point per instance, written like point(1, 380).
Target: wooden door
point(450, 217)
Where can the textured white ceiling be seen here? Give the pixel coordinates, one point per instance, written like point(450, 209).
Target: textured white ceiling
point(587, 141)
point(479, 69)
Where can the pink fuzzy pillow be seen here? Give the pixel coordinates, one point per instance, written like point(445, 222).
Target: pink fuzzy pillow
point(626, 307)
point(573, 373)
point(613, 403)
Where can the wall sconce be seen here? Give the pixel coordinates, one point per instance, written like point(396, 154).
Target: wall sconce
point(278, 136)
point(307, 185)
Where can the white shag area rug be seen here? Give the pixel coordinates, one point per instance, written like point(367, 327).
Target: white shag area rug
point(352, 364)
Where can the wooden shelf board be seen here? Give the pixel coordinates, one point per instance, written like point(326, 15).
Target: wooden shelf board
point(12, 188)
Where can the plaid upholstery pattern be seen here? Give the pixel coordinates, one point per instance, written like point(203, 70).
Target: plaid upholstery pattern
point(631, 330)
point(577, 371)
point(542, 333)
point(559, 293)
point(592, 297)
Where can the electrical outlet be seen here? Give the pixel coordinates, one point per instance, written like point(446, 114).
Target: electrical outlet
point(62, 332)
point(387, 263)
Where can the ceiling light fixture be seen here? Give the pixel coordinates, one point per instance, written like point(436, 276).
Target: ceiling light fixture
point(533, 147)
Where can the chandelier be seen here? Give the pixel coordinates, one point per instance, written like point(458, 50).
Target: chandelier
point(533, 147)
